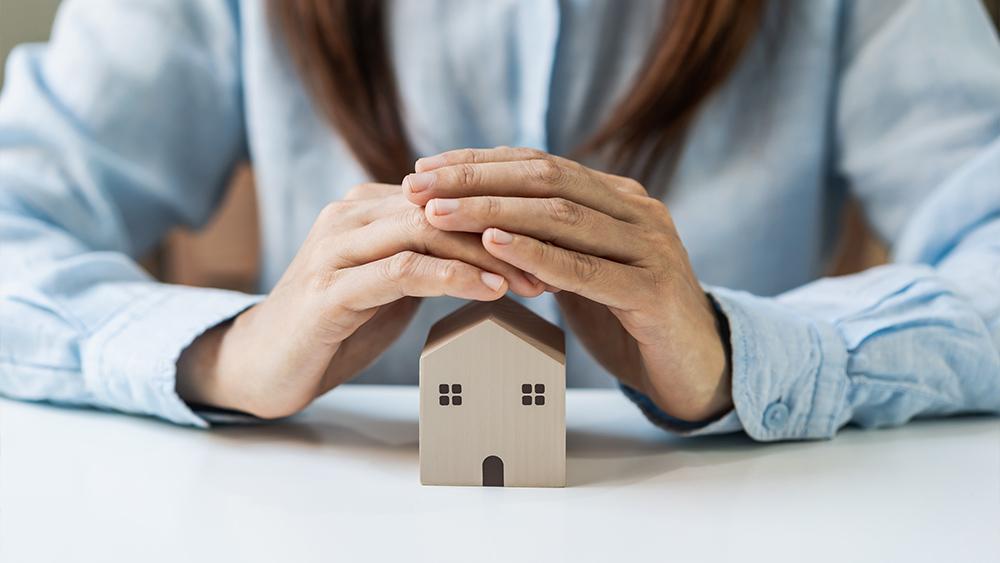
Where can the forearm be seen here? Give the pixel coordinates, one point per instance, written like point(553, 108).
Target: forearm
point(94, 330)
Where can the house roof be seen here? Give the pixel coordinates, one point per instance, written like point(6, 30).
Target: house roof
point(509, 314)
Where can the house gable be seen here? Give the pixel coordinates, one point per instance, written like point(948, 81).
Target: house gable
point(509, 315)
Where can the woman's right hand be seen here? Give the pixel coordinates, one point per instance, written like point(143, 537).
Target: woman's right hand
point(347, 295)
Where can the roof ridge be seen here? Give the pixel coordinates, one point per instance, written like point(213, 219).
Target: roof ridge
point(506, 313)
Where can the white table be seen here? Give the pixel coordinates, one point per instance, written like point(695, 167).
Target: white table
point(339, 483)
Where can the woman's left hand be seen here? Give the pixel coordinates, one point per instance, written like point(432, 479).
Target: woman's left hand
point(612, 254)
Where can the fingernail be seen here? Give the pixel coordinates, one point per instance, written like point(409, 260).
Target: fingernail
point(531, 279)
point(501, 237)
point(443, 206)
point(417, 183)
point(492, 281)
point(430, 162)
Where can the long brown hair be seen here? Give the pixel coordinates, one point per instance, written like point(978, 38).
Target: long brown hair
point(341, 52)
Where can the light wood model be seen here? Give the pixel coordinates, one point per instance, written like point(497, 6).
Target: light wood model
point(493, 399)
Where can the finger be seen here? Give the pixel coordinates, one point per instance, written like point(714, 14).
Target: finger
point(340, 216)
point(613, 284)
point(411, 231)
point(510, 154)
point(524, 178)
point(415, 275)
point(562, 222)
point(478, 156)
point(622, 183)
point(373, 191)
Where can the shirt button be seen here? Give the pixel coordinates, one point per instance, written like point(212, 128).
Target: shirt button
point(776, 416)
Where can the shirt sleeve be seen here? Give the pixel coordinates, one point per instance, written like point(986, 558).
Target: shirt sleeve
point(127, 123)
point(918, 133)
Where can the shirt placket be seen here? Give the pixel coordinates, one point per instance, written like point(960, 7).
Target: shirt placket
point(538, 31)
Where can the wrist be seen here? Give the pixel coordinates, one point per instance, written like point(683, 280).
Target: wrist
point(197, 369)
point(696, 385)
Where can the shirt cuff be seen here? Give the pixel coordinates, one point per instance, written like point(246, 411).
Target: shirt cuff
point(130, 363)
point(788, 374)
point(788, 370)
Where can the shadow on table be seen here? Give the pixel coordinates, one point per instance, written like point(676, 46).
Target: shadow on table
point(595, 455)
point(323, 426)
point(603, 456)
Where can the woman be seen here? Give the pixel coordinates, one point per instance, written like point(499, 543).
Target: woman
point(706, 149)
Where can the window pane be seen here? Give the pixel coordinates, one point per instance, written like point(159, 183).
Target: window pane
point(526, 388)
point(526, 400)
point(456, 388)
point(539, 400)
point(539, 388)
point(443, 400)
point(443, 388)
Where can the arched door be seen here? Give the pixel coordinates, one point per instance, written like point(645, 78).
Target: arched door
point(492, 472)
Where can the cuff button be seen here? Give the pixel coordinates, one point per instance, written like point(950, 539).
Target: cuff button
point(776, 416)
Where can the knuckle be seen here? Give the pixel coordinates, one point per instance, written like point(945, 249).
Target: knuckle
point(326, 278)
point(357, 191)
point(492, 208)
point(565, 212)
point(447, 273)
point(469, 155)
point(332, 211)
point(421, 233)
point(401, 266)
point(467, 175)
point(585, 267)
point(546, 171)
point(651, 236)
point(653, 207)
point(414, 221)
point(545, 254)
point(532, 154)
point(654, 204)
point(632, 185)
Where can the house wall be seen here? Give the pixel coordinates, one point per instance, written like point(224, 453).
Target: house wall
point(491, 364)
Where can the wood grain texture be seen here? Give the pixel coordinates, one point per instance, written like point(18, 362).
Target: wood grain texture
point(491, 360)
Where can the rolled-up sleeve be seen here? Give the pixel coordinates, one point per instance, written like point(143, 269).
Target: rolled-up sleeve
point(918, 132)
point(127, 123)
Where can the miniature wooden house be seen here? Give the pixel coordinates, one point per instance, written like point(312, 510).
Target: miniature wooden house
point(493, 399)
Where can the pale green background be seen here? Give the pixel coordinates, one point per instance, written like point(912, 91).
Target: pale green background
point(29, 20)
point(22, 21)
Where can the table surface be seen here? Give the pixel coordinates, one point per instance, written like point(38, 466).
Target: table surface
point(340, 483)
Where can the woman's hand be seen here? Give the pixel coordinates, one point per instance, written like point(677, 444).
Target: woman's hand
point(347, 295)
point(628, 289)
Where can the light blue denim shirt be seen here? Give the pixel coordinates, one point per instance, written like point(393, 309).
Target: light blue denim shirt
point(131, 119)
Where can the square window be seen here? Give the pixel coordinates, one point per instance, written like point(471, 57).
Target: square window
point(526, 388)
point(443, 388)
point(456, 400)
point(443, 400)
point(456, 388)
point(539, 400)
point(539, 388)
point(526, 400)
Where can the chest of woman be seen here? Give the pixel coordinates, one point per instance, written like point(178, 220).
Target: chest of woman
point(749, 191)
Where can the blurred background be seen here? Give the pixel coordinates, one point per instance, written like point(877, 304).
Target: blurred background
point(224, 253)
